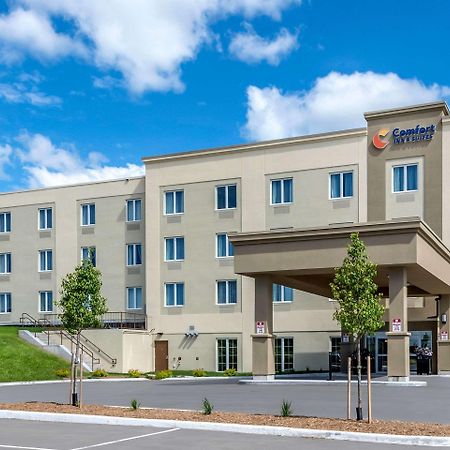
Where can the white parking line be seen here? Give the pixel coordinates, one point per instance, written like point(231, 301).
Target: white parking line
point(24, 448)
point(125, 439)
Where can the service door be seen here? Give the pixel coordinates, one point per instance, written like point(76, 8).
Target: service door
point(161, 355)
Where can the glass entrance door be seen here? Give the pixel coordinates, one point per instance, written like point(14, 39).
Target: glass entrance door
point(381, 354)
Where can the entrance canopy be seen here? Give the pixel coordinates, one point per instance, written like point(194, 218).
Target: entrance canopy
point(305, 259)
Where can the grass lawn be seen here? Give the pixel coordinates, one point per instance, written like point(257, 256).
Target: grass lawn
point(20, 361)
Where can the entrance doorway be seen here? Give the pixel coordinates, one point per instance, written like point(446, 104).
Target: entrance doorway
point(161, 355)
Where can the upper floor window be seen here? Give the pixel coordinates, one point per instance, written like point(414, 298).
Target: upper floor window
point(5, 302)
point(88, 214)
point(282, 191)
point(134, 254)
point(45, 218)
point(281, 294)
point(224, 248)
point(45, 301)
point(341, 185)
point(45, 260)
point(89, 253)
point(174, 202)
point(226, 292)
point(405, 178)
point(134, 210)
point(174, 249)
point(134, 298)
point(5, 263)
point(5, 222)
point(174, 294)
point(226, 196)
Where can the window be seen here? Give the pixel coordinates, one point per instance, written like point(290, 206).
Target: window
point(281, 191)
point(284, 354)
point(134, 298)
point(45, 218)
point(45, 301)
point(405, 178)
point(226, 292)
point(134, 210)
point(174, 294)
point(226, 197)
point(335, 354)
point(5, 263)
point(174, 249)
point(5, 222)
point(5, 303)
point(134, 254)
point(88, 214)
point(224, 248)
point(45, 260)
point(341, 185)
point(174, 202)
point(226, 354)
point(89, 253)
point(282, 294)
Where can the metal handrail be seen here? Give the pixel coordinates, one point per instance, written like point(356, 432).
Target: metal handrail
point(99, 350)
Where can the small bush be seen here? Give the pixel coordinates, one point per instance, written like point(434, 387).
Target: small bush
point(207, 407)
point(286, 408)
point(163, 374)
point(99, 373)
point(230, 372)
point(134, 373)
point(62, 373)
point(134, 404)
point(199, 373)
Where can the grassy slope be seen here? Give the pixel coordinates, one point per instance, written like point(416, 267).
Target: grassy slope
point(20, 361)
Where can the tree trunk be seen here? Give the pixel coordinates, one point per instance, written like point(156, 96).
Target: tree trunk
point(77, 362)
point(358, 354)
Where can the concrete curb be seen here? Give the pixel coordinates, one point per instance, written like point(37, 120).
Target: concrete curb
point(428, 441)
point(330, 383)
point(85, 380)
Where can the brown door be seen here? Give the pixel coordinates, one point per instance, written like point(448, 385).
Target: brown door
point(161, 355)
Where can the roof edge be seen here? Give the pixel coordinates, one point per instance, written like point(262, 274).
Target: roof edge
point(441, 104)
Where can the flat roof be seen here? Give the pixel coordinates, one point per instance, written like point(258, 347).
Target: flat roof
point(441, 104)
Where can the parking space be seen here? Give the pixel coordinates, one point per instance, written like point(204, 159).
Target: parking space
point(29, 435)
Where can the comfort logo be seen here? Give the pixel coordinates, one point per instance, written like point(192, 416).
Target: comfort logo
point(378, 141)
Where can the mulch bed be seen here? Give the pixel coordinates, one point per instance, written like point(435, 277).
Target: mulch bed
point(377, 426)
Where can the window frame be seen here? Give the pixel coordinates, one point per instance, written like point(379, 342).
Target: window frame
point(227, 354)
point(283, 344)
point(134, 289)
point(227, 246)
point(6, 296)
point(282, 202)
point(227, 292)
point(283, 294)
point(133, 201)
point(89, 247)
point(45, 210)
point(227, 196)
point(46, 251)
point(176, 259)
point(341, 185)
point(3, 221)
point(404, 166)
point(175, 284)
point(8, 262)
point(134, 244)
point(41, 311)
point(175, 213)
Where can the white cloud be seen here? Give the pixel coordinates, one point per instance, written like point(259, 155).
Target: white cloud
point(50, 165)
point(5, 159)
point(146, 41)
point(336, 101)
point(21, 93)
point(252, 48)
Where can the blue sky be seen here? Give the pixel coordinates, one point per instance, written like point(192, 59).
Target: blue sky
point(87, 90)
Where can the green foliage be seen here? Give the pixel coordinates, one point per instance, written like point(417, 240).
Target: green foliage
point(163, 374)
point(230, 373)
point(207, 407)
point(81, 301)
point(99, 373)
point(134, 404)
point(134, 373)
point(354, 288)
point(199, 373)
point(286, 408)
point(62, 373)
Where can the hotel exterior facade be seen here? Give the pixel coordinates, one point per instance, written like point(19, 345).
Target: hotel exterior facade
point(199, 244)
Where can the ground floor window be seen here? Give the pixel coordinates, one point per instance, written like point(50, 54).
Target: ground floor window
point(335, 353)
point(5, 303)
point(284, 354)
point(226, 354)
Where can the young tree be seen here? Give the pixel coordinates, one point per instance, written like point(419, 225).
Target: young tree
point(360, 310)
point(81, 306)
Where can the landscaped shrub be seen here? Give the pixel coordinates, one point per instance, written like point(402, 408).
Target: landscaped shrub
point(163, 374)
point(134, 404)
point(62, 373)
point(199, 373)
point(286, 408)
point(99, 373)
point(134, 373)
point(207, 407)
point(230, 372)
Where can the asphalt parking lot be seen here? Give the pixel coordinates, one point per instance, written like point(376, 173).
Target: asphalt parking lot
point(421, 404)
point(20, 434)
